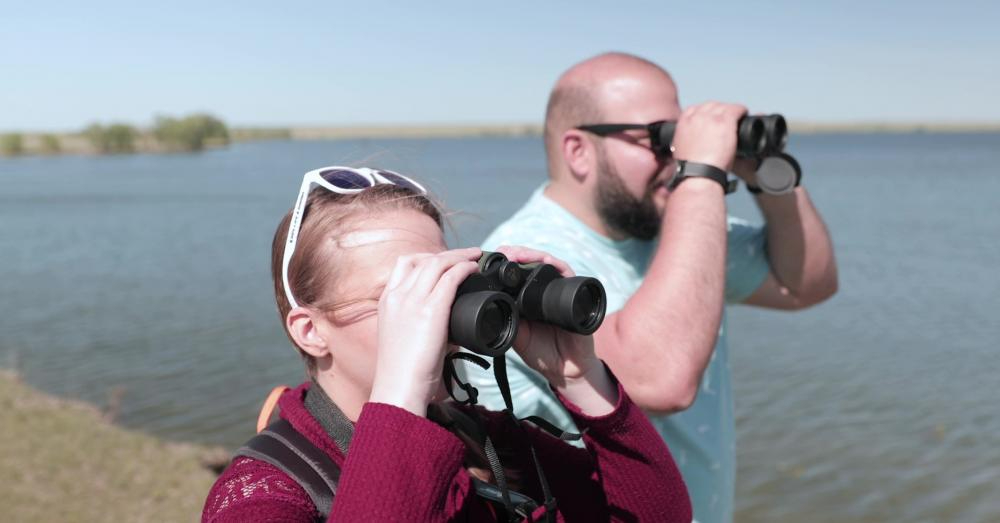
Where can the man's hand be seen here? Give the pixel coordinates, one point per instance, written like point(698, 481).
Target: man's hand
point(706, 133)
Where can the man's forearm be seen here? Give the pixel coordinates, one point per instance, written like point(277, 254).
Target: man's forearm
point(799, 248)
point(659, 343)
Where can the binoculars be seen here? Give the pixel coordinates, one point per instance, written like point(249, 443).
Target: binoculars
point(756, 136)
point(489, 303)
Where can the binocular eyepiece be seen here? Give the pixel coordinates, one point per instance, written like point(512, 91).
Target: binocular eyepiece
point(756, 136)
point(488, 304)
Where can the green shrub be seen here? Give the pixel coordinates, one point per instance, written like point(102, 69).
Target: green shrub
point(50, 144)
point(11, 144)
point(191, 133)
point(112, 139)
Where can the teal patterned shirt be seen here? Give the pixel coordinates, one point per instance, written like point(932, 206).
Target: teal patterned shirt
point(702, 438)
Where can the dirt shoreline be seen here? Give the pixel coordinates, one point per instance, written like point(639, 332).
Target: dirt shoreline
point(63, 461)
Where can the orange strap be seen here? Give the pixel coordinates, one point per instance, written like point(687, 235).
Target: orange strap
point(268, 408)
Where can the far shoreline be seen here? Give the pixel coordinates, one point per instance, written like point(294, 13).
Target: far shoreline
point(516, 130)
point(77, 144)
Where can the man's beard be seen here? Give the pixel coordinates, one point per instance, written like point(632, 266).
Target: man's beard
point(621, 212)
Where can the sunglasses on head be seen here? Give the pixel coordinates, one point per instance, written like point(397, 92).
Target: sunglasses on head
point(341, 180)
point(661, 133)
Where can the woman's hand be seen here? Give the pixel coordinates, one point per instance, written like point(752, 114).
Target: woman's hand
point(413, 314)
point(566, 359)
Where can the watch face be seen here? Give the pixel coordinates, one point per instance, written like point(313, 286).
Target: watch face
point(778, 174)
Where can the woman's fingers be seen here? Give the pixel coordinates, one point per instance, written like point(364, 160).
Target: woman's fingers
point(428, 272)
point(520, 254)
point(448, 284)
point(402, 269)
point(403, 276)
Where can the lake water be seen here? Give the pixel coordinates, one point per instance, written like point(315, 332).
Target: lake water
point(147, 277)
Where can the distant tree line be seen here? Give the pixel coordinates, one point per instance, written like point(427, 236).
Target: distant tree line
point(190, 133)
point(11, 144)
point(15, 144)
point(117, 138)
point(193, 132)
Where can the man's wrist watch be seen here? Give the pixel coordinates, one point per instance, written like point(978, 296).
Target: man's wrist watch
point(777, 174)
point(687, 170)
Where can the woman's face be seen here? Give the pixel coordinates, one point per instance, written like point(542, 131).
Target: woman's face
point(366, 254)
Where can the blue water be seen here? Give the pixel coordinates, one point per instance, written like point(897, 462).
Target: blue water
point(148, 274)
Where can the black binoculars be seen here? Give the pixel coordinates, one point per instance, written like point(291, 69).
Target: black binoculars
point(756, 136)
point(488, 304)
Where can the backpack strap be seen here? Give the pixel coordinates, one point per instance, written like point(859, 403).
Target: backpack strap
point(283, 447)
point(265, 411)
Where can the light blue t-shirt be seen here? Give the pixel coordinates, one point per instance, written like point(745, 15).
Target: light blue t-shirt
point(702, 438)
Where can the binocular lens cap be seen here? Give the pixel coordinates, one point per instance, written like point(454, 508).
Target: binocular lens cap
point(778, 174)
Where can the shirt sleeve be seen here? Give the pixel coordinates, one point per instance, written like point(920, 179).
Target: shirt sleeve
point(746, 259)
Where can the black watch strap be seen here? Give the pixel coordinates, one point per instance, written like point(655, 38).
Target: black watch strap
point(687, 170)
point(754, 189)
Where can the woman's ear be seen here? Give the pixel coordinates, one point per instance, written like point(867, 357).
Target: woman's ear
point(302, 324)
point(578, 153)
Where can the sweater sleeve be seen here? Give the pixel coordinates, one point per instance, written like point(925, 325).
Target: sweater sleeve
point(630, 469)
point(639, 476)
point(400, 467)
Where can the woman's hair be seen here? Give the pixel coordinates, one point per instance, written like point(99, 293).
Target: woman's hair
point(313, 267)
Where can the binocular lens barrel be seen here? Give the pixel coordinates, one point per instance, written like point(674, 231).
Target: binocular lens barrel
point(750, 138)
point(489, 304)
point(777, 132)
point(484, 322)
point(756, 136)
point(575, 304)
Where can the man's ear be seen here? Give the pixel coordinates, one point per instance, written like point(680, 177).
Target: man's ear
point(302, 325)
point(579, 154)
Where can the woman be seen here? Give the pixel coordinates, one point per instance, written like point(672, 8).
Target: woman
point(364, 285)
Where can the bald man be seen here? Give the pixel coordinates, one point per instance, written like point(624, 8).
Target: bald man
point(667, 253)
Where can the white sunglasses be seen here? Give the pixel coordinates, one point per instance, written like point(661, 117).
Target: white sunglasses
point(341, 180)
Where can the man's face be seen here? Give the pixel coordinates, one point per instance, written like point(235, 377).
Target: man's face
point(619, 209)
point(631, 179)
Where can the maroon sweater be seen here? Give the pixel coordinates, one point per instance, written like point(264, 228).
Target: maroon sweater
point(403, 467)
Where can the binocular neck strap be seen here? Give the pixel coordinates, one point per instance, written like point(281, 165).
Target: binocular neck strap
point(500, 373)
point(451, 377)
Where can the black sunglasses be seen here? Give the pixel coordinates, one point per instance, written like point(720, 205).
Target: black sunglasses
point(661, 133)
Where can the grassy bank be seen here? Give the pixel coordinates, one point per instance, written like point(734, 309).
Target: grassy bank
point(61, 461)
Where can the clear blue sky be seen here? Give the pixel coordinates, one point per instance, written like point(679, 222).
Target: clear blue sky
point(341, 63)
